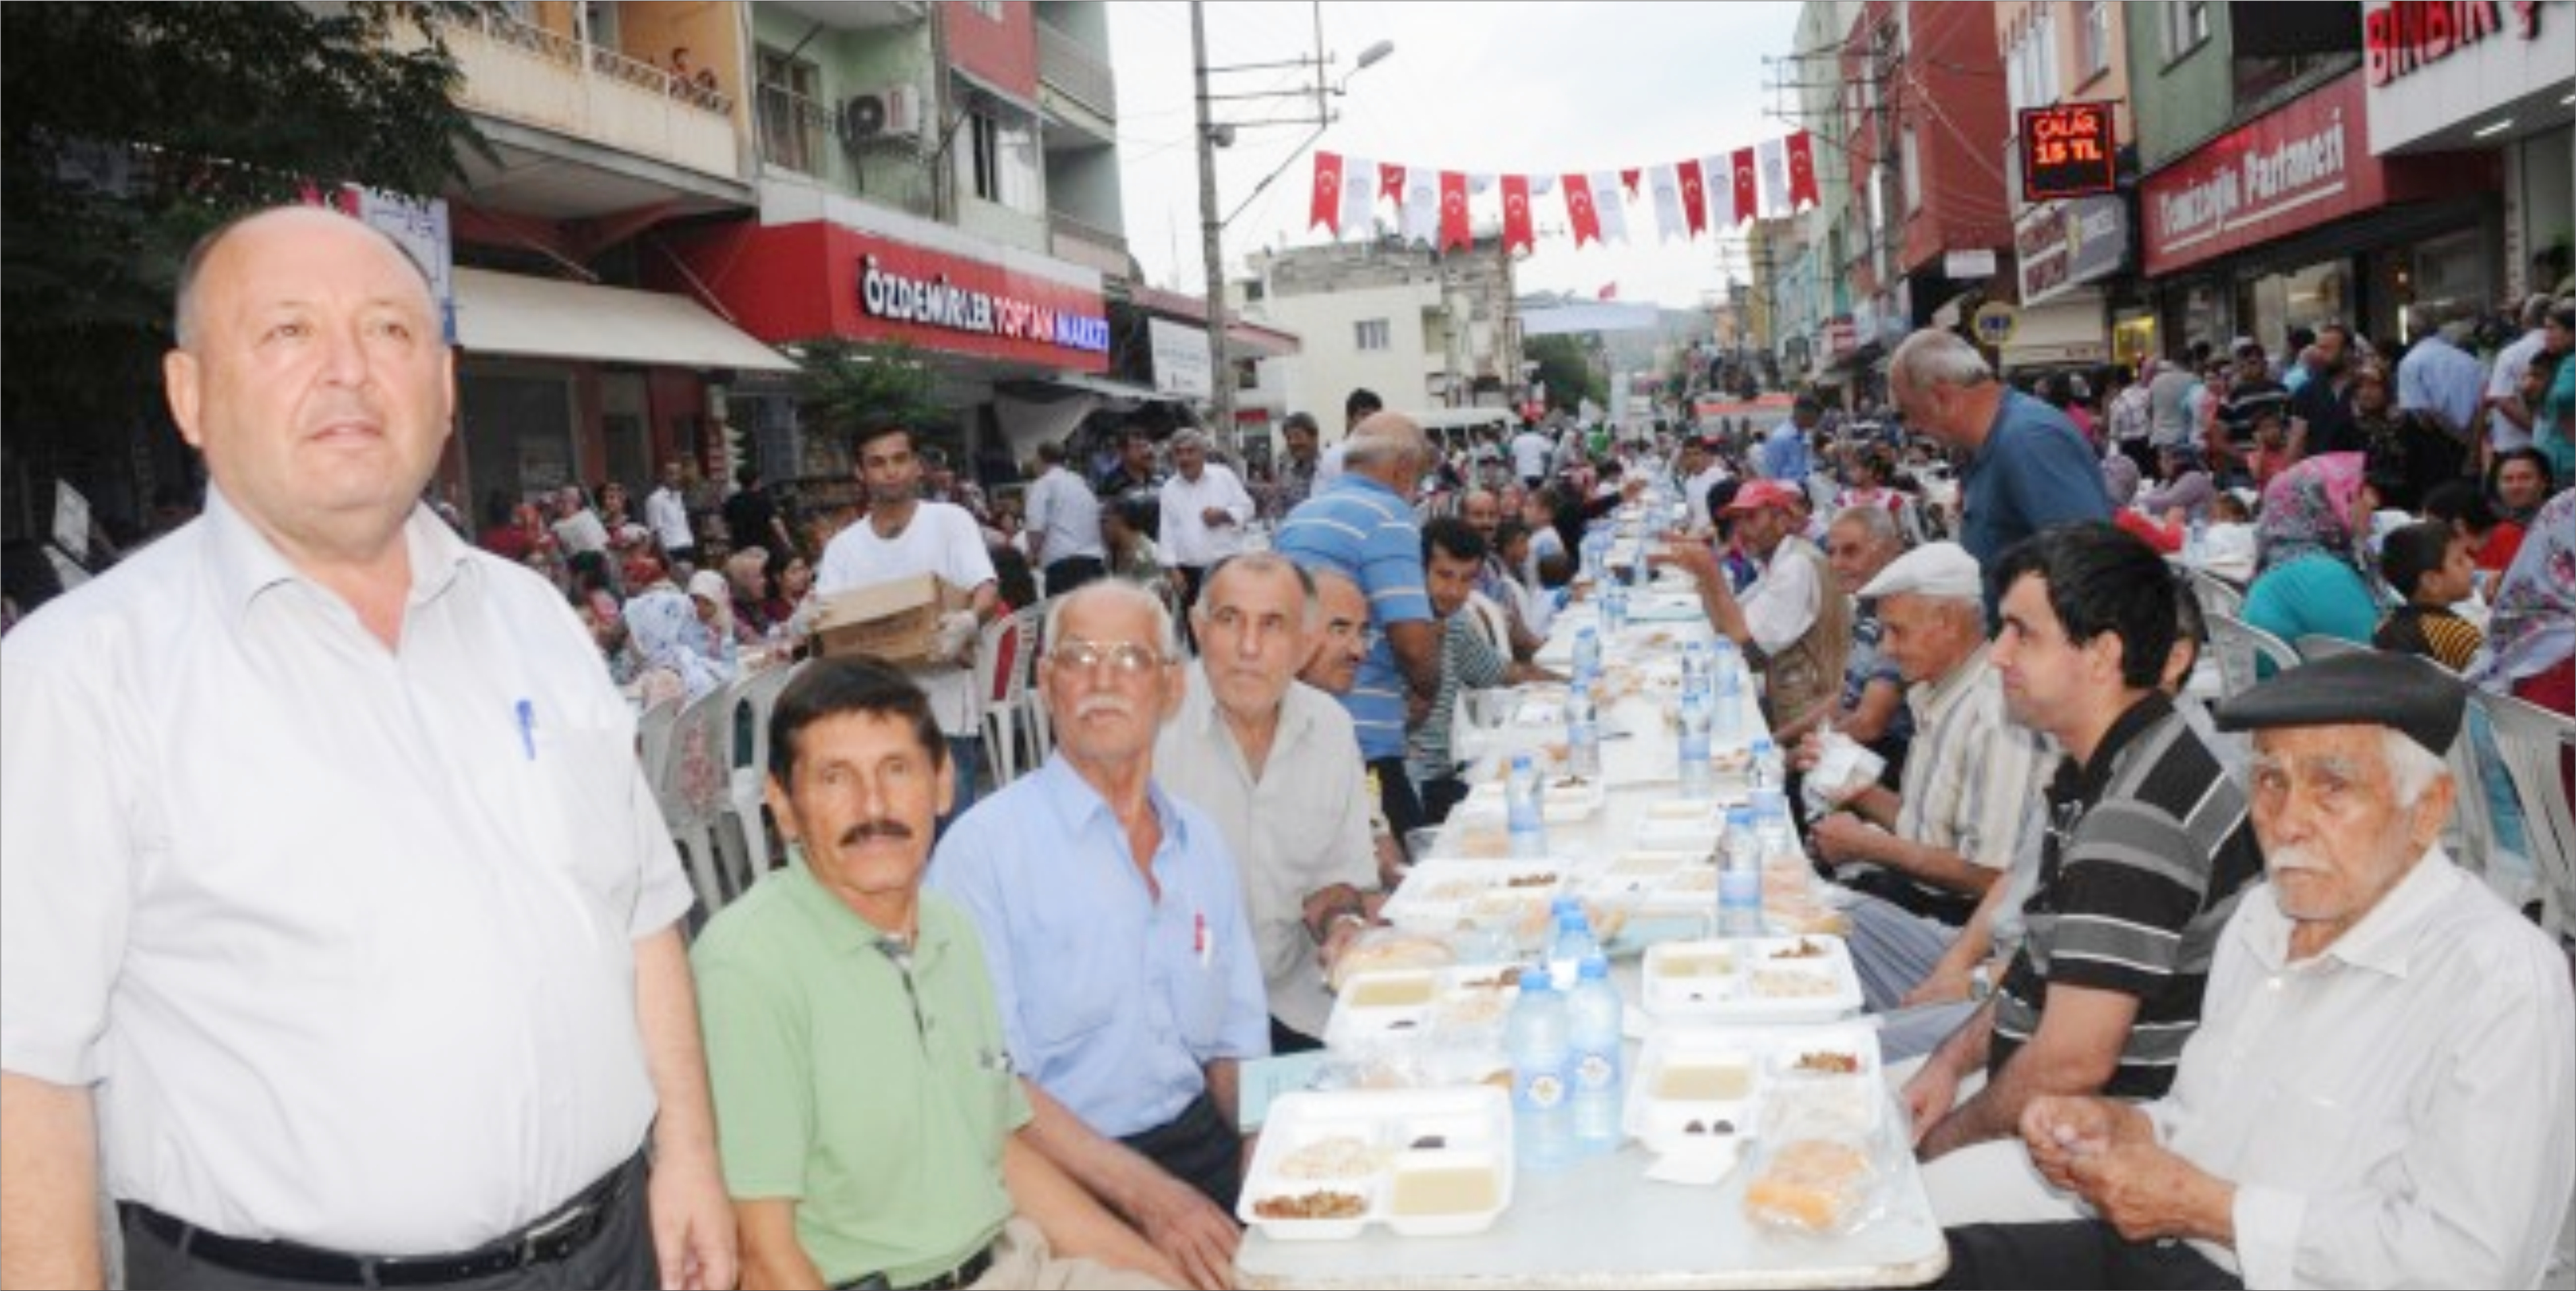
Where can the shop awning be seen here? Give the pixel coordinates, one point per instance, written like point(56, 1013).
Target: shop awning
point(507, 313)
point(2065, 330)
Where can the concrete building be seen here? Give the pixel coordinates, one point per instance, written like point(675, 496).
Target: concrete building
point(1423, 330)
point(2077, 294)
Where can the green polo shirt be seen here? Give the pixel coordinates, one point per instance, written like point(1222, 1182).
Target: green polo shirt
point(879, 1105)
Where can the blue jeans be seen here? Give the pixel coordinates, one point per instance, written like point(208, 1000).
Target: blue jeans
point(966, 755)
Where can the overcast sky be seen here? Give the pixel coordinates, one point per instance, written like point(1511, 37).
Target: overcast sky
point(1538, 88)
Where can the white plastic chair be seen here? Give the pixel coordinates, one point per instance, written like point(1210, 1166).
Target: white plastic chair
point(1040, 725)
point(750, 855)
point(2531, 740)
point(2217, 596)
point(691, 786)
point(2237, 644)
point(1001, 686)
point(2315, 646)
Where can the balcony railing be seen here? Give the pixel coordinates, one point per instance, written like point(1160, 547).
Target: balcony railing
point(523, 72)
point(802, 135)
point(1084, 76)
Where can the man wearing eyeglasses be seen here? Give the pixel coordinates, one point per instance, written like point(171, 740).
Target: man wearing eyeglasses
point(1115, 929)
point(1275, 763)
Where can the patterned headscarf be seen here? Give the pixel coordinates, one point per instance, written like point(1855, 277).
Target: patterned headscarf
point(2313, 508)
point(2532, 627)
point(668, 634)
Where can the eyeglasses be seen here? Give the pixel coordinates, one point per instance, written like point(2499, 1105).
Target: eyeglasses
point(1345, 630)
point(1126, 658)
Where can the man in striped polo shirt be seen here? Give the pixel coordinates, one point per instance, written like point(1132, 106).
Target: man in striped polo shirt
point(1362, 526)
point(2147, 847)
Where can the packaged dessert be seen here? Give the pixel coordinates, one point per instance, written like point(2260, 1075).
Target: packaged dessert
point(1822, 1186)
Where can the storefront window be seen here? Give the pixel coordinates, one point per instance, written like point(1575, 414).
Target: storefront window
point(2307, 297)
point(518, 433)
point(2450, 272)
point(2133, 338)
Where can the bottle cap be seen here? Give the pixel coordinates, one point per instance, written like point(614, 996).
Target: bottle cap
point(1593, 969)
point(1535, 982)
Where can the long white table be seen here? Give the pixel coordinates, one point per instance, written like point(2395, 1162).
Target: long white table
point(1602, 1222)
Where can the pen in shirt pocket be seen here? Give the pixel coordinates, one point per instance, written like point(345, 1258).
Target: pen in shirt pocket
point(1200, 945)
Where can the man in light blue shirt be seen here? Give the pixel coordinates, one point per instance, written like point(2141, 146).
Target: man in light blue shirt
point(2439, 378)
point(1784, 450)
point(1363, 527)
point(1114, 925)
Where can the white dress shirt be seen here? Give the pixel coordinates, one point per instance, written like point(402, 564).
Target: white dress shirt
point(1301, 826)
point(1529, 454)
point(2506, 381)
point(1782, 604)
point(941, 539)
point(668, 514)
point(1187, 538)
point(1064, 517)
point(2399, 1110)
point(342, 942)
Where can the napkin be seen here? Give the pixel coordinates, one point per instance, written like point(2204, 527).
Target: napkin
point(1697, 1165)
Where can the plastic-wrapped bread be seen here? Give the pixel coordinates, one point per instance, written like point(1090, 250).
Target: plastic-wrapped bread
point(1383, 950)
point(1816, 1185)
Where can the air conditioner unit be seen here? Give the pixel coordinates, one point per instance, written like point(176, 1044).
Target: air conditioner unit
point(892, 111)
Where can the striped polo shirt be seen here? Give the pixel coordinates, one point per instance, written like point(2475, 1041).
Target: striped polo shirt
point(1361, 529)
point(2147, 848)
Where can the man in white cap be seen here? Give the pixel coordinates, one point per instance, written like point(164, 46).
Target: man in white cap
point(1936, 846)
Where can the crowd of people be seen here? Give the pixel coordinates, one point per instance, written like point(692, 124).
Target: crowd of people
point(344, 945)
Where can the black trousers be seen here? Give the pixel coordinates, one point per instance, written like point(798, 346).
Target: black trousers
point(1440, 796)
point(1064, 575)
point(1193, 577)
point(1198, 1148)
point(2078, 1253)
point(1285, 1039)
point(1395, 796)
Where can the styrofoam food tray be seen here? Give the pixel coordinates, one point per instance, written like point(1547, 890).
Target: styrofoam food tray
point(1399, 1133)
point(1751, 979)
point(1765, 1063)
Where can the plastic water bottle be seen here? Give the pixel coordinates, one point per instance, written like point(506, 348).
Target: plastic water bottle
point(1593, 1031)
point(1772, 834)
point(1695, 670)
point(1728, 710)
point(1614, 608)
point(1763, 770)
point(1641, 573)
point(1582, 733)
point(1739, 878)
point(1524, 809)
point(1587, 655)
point(1536, 1037)
point(1571, 944)
point(1697, 776)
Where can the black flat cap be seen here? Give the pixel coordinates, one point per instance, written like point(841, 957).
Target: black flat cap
point(2413, 696)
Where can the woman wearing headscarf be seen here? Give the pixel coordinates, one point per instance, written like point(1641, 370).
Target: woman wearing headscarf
point(2309, 557)
point(712, 598)
point(2531, 630)
point(2120, 480)
point(671, 637)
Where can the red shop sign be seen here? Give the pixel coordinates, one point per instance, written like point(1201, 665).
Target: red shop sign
point(2301, 166)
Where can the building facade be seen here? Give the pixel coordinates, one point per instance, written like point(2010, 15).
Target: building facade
point(2078, 303)
point(1423, 330)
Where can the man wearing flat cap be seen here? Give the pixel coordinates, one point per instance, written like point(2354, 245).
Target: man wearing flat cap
point(1790, 623)
point(2382, 1091)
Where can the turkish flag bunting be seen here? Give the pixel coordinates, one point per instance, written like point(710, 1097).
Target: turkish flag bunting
point(1516, 213)
point(1390, 182)
point(1802, 171)
point(1628, 179)
point(1694, 196)
point(1326, 206)
point(1453, 211)
point(1578, 209)
point(1746, 196)
point(1609, 291)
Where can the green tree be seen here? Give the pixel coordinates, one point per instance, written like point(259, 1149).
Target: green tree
point(129, 130)
point(1567, 368)
point(847, 386)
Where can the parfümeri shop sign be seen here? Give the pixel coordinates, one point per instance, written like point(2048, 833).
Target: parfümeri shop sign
point(933, 300)
point(2301, 166)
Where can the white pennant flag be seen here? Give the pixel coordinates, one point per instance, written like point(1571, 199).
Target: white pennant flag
point(1421, 204)
point(1359, 196)
point(1478, 182)
point(1542, 185)
point(1608, 206)
point(1771, 157)
point(1717, 184)
point(1667, 187)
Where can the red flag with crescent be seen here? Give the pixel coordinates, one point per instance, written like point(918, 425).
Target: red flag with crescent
point(1325, 207)
point(1802, 171)
point(1694, 197)
point(1516, 214)
point(1453, 211)
point(1390, 182)
point(1746, 195)
point(1578, 208)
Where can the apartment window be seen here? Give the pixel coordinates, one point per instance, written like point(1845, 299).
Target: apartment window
point(793, 119)
point(2043, 40)
point(2186, 26)
point(1247, 374)
point(1371, 333)
point(1910, 171)
point(1001, 157)
point(2093, 38)
point(989, 8)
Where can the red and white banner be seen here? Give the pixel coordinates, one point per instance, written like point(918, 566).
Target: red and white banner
point(1326, 207)
point(1747, 202)
point(1694, 195)
point(1517, 228)
point(1453, 211)
point(1578, 209)
point(1802, 171)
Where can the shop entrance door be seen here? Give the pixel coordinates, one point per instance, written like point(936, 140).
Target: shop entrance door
point(518, 432)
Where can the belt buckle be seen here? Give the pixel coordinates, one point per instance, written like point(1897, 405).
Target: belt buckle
point(530, 1246)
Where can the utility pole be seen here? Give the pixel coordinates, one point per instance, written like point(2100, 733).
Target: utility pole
point(1212, 240)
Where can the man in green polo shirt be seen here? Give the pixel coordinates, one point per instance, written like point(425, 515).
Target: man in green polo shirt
point(867, 1109)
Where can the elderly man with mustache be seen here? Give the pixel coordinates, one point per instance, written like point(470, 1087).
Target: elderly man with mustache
point(1115, 928)
point(2382, 1091)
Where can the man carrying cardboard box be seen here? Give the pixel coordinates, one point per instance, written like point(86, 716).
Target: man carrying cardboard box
point(904, 537)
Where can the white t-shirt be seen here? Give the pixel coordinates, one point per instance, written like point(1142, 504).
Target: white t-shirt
point(668, 513)
point(941, 539)
point(1529, 454)
point(1065, 515)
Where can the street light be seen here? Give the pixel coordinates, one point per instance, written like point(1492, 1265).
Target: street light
point(1211, 136)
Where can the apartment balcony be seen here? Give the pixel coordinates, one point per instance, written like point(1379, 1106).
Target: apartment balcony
point(1076, 83)
point(803, 138)
point(1071, 239)
point(521, 74)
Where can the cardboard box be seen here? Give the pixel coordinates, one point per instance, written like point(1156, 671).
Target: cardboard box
point(896, 620)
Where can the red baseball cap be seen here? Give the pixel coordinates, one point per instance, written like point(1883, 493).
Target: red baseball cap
point(1757, 494)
